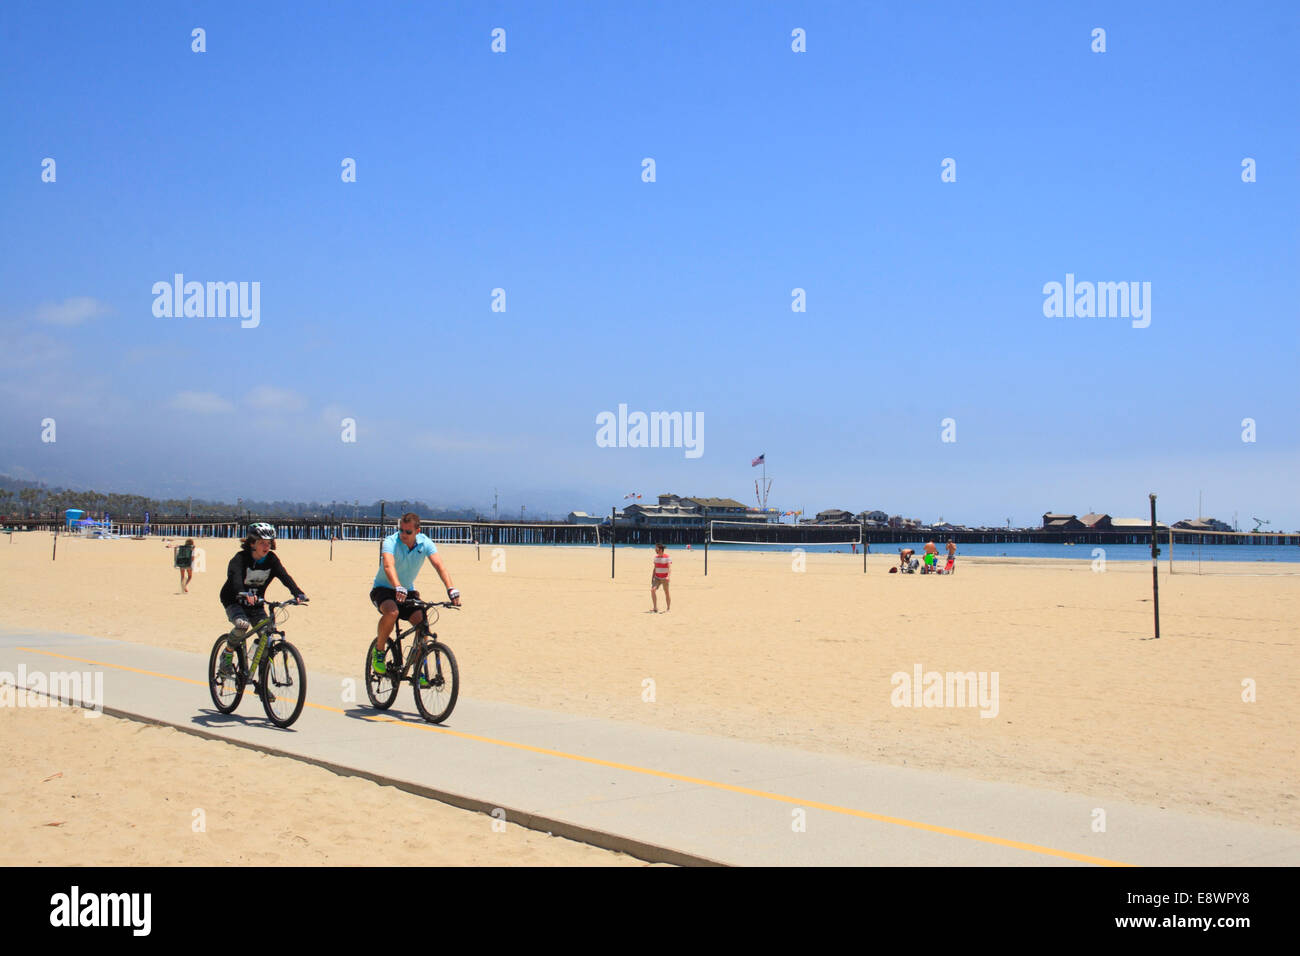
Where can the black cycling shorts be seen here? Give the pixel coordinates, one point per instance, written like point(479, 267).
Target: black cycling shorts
point(404, 610)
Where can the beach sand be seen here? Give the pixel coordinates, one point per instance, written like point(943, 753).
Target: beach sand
point(803, 659)
point(110, 792)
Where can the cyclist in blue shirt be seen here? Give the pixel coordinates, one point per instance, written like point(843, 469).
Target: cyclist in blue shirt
point(401, 558)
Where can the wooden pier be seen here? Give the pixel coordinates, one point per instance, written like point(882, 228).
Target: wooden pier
point(556, 533)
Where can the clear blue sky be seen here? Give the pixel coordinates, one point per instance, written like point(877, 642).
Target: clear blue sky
point(775, 170)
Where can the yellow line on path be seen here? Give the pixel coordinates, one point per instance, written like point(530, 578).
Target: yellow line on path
point(665, 775)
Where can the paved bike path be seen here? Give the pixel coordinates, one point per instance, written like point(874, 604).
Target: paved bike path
point(661, 794)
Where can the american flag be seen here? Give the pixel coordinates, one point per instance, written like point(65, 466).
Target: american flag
point(758, 461)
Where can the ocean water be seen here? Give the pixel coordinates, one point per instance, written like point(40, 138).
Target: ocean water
point(1081, 552)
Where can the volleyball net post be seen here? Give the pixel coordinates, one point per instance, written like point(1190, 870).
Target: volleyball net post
point(1155, 567)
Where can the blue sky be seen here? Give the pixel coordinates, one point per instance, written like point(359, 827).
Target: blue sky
point(775, 170)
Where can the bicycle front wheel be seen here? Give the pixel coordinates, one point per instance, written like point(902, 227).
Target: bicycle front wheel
point(283, 684)
point(382, 688)
point(226, 679)
point(437, 682)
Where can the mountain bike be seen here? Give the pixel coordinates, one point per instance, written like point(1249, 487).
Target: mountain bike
point(430, 669)
point(276, 670)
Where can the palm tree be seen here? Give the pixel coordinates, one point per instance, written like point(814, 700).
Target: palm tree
point(28, 497)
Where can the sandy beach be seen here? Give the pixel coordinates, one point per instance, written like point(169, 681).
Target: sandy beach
point(110, 792)
point(757, 651)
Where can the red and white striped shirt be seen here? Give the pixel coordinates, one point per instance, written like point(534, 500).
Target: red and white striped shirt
point(661, 565)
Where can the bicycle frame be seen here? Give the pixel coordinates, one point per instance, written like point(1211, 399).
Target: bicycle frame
point(265, 632)
point(421, 632)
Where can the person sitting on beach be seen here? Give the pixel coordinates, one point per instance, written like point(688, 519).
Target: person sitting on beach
point(659, 578)
point(248, 575)
point(401, 557)
point(906, 563)
point(184, 560)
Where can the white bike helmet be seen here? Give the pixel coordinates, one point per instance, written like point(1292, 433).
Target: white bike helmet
point(261, 530)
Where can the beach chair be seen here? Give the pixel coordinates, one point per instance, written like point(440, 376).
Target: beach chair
point(949, 568)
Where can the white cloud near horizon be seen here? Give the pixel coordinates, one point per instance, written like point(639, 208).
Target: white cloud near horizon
point(73, 311)
point(270, 398)
point(205, 403)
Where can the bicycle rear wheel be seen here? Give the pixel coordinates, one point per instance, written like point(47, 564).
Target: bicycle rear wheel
point(436, 682)
point(382, 688)
point(283, 684)
point(227, 689)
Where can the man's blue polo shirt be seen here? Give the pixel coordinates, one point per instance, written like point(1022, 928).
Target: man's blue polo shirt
point(407, 561)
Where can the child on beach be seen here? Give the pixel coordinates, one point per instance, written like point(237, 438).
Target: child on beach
point(184, 561)
point(659, 578)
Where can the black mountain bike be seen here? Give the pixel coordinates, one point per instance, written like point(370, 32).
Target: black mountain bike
point(276, 671)
point(431, 668)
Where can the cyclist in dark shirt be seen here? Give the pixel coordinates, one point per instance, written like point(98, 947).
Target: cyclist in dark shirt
point(252, 569)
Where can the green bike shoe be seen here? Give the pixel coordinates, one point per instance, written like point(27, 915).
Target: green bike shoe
point(377, 663)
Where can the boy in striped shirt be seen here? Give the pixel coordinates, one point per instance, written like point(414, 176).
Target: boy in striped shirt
point(659, 577)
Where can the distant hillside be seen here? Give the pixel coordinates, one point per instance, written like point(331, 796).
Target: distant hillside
point(20, 497)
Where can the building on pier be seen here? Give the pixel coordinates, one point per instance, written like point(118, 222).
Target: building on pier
point(1062, 522)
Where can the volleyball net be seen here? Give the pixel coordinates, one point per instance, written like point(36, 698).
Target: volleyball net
point(1203, 552)
point(765, 535)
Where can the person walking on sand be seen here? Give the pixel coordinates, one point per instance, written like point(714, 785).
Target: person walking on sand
point(659, 578)
point(184, 561)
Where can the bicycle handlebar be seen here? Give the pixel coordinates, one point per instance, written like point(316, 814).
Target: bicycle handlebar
point(272, 604)
point(427, 604)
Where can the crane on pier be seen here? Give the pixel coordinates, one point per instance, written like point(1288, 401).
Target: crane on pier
point(1258, 522)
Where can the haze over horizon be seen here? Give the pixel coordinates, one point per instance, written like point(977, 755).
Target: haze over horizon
point(775, 171)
